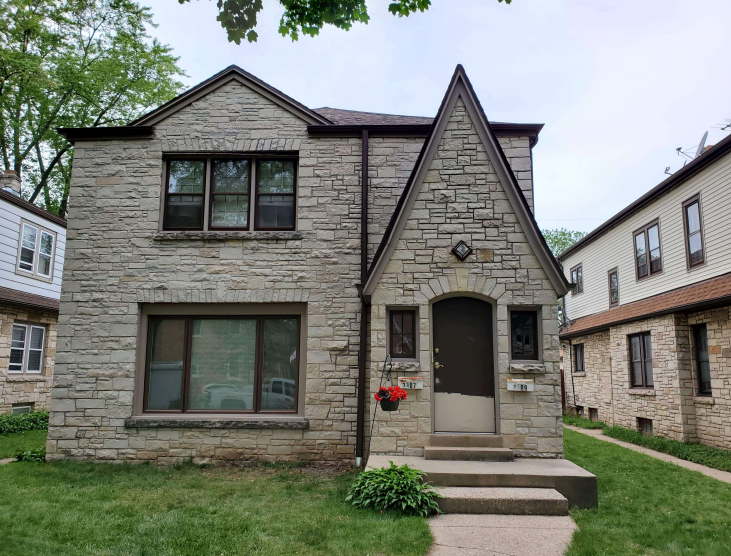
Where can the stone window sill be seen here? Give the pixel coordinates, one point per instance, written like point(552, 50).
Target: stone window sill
point(578, 374)
point(215, 423)
point(527, 368)
point(641, 392)
point(226, 235)
point(27, 378)
point(704, 400)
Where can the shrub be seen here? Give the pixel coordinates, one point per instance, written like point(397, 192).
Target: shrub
point(393, 488)
point(31, 455)
point(583, 422)
point(19, 422)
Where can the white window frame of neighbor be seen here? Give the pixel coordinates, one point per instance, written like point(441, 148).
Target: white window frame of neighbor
point(26, 406)
point(33, 272)
point(28, 330)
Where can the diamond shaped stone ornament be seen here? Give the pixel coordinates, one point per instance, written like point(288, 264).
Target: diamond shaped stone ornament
point(462, 250)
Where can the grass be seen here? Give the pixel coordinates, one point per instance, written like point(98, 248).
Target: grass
point(69, 508)
point(582, 422)
point(11, 444)
point(647, 507)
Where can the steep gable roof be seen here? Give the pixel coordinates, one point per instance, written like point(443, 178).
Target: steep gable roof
point(460, 87)
point(231, 73)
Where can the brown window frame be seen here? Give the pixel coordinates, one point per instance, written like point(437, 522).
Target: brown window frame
point(415, 333)
point(258, 374)
point(212, 194)
point(643, 361)
point(293, 195)
point(579, 287)
point(614, 271)
point(693, 200)
point(700, 390)
point(575, 355)
point(644, 230)
point(537, 331)
point(168, 194)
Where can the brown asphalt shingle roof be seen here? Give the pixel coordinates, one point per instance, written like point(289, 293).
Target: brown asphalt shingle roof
point(354, 117)
point(30, 207)
point(681, 299)
point(23, 299)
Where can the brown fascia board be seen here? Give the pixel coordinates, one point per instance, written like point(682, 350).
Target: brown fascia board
point(73, 134)
point(705, 159)
point(23, 300)
point(30, 207)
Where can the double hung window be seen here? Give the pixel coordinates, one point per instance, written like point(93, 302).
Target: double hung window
point(577, 279)
point(26, 349)
point(579, 366)
point(648, 258)
point(703, 364)
point(35, 252)
point(640, 347)
point(693, 232)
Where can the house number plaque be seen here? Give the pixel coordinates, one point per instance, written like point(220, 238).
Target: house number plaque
point(520, 385)
point(411, 382)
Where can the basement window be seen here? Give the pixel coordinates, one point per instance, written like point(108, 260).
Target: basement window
point(644, 426)
point(593, 414)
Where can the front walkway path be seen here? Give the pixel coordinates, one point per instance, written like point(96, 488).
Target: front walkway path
point(500, 535)
point(6, 460)
point(724, 476)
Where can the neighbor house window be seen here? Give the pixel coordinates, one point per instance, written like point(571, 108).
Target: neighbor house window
point(21, 408)
point(402, 334)
point(593, 414)
point(700, 336)
point(222, 364)
point(36, 251)
point(693, 231)
point(577, 279)
point(579, 366)
point(26, 349)
point(648, 259)
point(613, 287)
point(640, 347)
point(216, 194)
point(524, 339)
point(644, 426)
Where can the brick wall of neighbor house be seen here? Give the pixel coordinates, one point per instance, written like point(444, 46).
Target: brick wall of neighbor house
point(462, 199)
point(592, 388)
point(18, 388)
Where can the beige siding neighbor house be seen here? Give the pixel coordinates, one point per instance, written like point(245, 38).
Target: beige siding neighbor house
point(32, 244)
point(241, 269)
point(647, 338)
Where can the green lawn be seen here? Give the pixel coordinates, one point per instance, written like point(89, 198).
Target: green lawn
point(647, 507)
point(67, 508)
point(11, 444)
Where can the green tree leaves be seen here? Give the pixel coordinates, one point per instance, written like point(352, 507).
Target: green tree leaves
point(560, 239)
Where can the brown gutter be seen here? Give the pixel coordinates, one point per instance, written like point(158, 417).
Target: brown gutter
point(30, 207)
point(416, 130)
point(360, 412)
point(73, 134)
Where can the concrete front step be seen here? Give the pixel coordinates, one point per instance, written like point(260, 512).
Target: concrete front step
point(466, 440)
point(576, 484)
point(467, 454)
point(502, 500)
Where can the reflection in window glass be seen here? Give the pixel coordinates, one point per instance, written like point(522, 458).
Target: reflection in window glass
point(653, 238)
point(167, 346)
point(524, 335)
point(184, 208)
point(44, 254)
point(17, 348)
point(223, 362)
point(279, 364)
point(230, 194)
point(702, 359)
point(641, 255)
point(403, 334)
point(28, 248)
point(613, 288)
point(275, 194)
point(695, 239)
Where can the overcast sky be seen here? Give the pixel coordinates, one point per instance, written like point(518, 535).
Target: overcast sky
point(618, 84)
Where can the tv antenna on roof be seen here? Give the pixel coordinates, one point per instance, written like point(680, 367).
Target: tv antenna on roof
point(701, 145)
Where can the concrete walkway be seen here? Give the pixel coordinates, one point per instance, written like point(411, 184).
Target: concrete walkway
point(500, 535)
point(724, 476)
point(6, 460)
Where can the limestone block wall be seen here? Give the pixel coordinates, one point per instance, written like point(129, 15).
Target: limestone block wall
point(592, 388)
point(26, 388)
point(462, 199)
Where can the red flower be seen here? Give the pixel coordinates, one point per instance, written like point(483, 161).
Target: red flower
point(392, 393)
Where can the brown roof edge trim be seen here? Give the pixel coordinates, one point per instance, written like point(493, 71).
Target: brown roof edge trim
point(711, 155)
point(73, 134)
point(23, 300)
point(30, 207)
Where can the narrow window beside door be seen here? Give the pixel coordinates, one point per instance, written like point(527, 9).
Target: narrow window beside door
point(579, 358)
point(641, 360)
point(693, 232)
point(524, 339)
point(402, 334)
point(700, 336)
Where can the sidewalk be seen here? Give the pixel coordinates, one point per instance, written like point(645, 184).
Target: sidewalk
point(724, 476)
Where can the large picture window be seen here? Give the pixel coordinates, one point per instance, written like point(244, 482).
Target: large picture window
point(222, 364)
point(640, 348)
point(216, 194)
point(648, 258)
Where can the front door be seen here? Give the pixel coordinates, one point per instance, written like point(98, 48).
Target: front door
point(464, 380)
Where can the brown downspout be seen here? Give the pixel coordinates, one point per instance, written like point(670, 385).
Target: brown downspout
point(360, 425)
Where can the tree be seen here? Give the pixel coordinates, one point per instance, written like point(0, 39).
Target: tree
point(307, 17)
point(73, 63)
point(560, 239)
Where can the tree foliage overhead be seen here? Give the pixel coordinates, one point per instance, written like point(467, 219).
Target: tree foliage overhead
point(560, 239)
point(73, 63)
point(305, 17)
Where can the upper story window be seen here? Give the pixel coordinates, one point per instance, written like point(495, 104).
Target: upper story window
point(577, 279)
point(640, 351)
point(26, 349)
point(648, 259)
point(579, 366)
point(36, 251)
point(524, 338)
point(613, 287)
point(693, 231)
point(216, 194)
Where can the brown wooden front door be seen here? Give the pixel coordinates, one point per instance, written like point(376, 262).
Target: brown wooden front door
point(464, 378)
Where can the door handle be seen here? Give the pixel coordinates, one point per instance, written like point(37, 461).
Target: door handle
point(437, 365)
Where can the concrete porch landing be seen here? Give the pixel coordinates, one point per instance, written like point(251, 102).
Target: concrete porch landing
point(577, 485)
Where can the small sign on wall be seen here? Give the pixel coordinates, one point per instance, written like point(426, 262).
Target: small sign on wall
point(520, 385)
point(411, 382)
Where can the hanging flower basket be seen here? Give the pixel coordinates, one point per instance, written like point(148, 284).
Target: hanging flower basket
point(390, 397)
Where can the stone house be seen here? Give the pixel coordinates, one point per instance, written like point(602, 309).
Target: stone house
point(32, 244)
point(241, 268)
point(647, 343)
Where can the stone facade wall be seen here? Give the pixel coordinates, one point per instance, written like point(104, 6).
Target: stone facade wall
point(462, 199)
point(593, 387)
point(26, 388)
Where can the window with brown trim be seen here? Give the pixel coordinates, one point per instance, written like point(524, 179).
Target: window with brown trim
point(185, 194)
point(644, 426)
point(648, 257)
point(222, 364)
point(402, 334)
point(577, 279)
point(613, 287)
point(579, 366)
point(524, 338)
point(695, 254)
point(702, 360)
point(640, 351)
point(275, 195)
point(230, 188)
